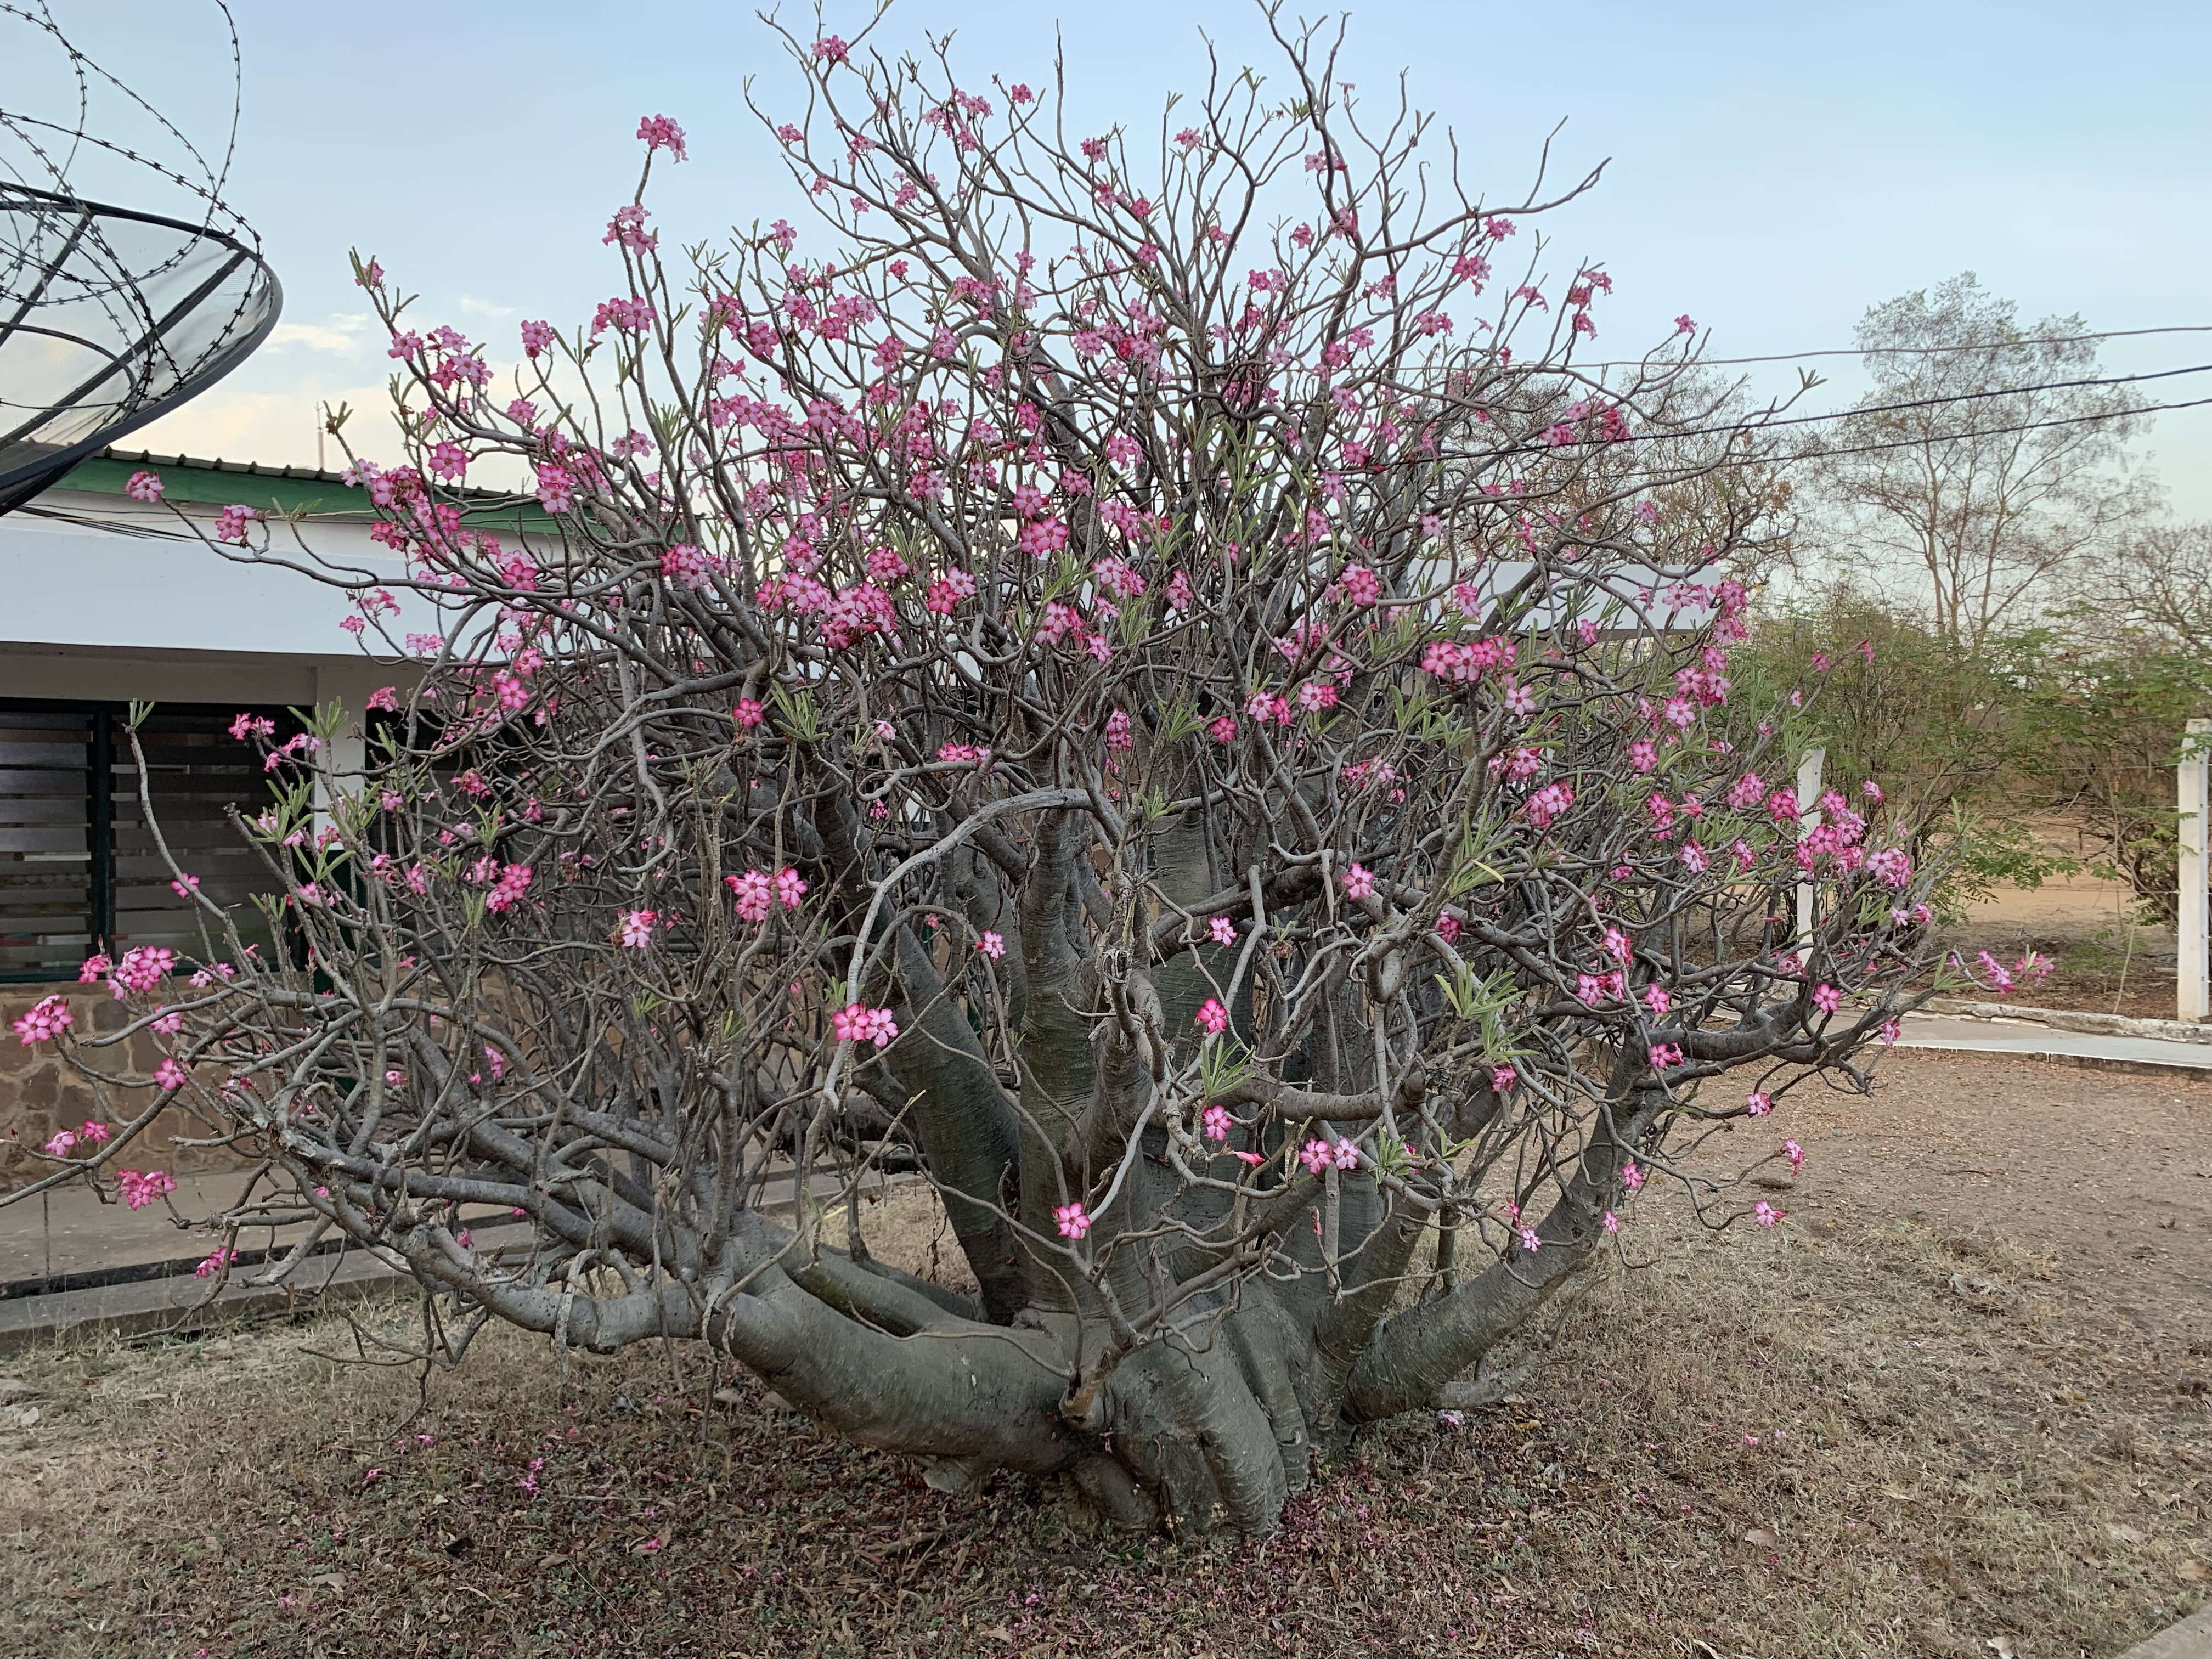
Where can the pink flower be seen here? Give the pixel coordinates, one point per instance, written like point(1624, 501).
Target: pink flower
point(140, 1190)
point(169, 1075)
point(1072, 1220)
point(1345, 1155)
point(858, 1023)
point(1211, 1015)
point(1759, 1103)
point(790, 887)
point(1612, 1222)
point(1765, 1214)
point(1224, 930)
point(658, 132)
point(93, 1132)
point(1530, 1242)
point(60, 1145)
point(1631, 1177)
point(1216, 1123)
point(748, 714)
point(637, 926)
point(46, 1020)
point(1796, 1154)
point(992, 945)
point(1315, 1156)
point(214, 1263)
point(1828, 999)
point(1502, 1077)
point(144, 487)
point(93, 968)
point(1545, 805)
point(230, 523)
point(1358, 882)
point(1890, 1032)
point(1657, 998)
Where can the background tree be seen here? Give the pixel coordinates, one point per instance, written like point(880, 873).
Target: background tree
point(1097, 685)
point(1987, 507)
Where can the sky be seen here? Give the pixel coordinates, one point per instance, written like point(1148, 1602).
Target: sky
point(1771, 170)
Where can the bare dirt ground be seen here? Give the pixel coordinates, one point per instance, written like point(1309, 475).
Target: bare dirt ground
point(1958, 1404)
point(2104, 958)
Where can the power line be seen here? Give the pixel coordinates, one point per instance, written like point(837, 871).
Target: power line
point(1923, 351)
point(1957, 398)
point(2000, 431)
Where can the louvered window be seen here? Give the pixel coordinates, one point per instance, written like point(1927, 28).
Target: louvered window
point(79, 867)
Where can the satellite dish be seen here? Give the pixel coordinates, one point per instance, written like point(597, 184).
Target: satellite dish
point(110, 316)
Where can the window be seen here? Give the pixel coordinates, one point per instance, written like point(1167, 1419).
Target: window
point(80, 871)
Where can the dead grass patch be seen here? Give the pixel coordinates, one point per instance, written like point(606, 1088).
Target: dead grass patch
point(1884, 1438)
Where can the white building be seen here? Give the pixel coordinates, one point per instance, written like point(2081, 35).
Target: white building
point(105, 601)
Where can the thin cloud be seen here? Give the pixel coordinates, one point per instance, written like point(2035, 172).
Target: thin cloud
point(473, 306)
point(339, 334)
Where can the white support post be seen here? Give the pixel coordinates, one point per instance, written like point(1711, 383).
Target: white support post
point(2194, 979)
point(1808, 819)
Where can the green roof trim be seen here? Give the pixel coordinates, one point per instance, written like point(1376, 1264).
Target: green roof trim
point(289, 490)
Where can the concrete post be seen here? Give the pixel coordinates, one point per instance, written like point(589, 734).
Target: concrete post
point(1808, 819)
point(2194, 979)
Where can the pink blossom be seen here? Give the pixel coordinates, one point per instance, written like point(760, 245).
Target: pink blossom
point(858, 1023)
point(1612, 1222)
point(47, 1019)
point(230, 523)
point(1828, 999)
point(1216, 1122)
point(753, 893)
point(1759, 1103)
point(140, 1190)
point(1072, 1219)
point(1315, 1156)
point(1503, 1076)
point(992, 945)
point(637, 927)
point(790, 887)
point(92, 1131)
point(1530, 1242)
point(1632, 1176)
point(658, 132)
point(60, 1145)
point(1224, 930)
point(1358, 882)
point(216, 1260)
point(1796, 1154)
point(1211, 1015)
point(1766, 1215)
point(144, 487)
point(169, 1076)
point(748, 714)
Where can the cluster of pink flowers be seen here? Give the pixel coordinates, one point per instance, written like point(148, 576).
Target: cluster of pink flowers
point(756, 892)
point(858, 1023)
point(1548, 803)
point(214, 1261)
point(143, 967)
point(506, 890)
point(141, 1189)
point(47, 1019)
point(1318, 1154)
point(92, 1134)
point(1456, 663)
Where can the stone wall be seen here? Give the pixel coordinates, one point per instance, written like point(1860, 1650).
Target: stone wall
point(39, 1094)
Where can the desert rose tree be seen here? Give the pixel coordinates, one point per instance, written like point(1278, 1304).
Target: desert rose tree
point(1130, 673)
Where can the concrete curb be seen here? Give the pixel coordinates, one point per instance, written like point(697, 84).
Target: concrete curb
point(2069, 1019)
point(2190, 1639)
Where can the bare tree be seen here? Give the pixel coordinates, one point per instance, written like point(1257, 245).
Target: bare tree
point(1096, 686)
point(1978, 467)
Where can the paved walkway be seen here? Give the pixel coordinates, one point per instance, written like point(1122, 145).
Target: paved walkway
point(2028, 1038)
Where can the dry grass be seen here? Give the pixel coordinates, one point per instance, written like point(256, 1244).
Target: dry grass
point(1951, 1446)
